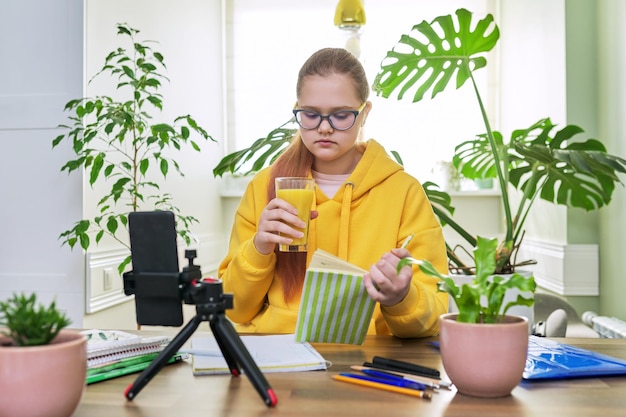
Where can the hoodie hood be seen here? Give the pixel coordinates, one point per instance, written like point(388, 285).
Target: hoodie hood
point(374, 168)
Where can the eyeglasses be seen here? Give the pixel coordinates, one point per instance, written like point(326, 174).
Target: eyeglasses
point(339, 120)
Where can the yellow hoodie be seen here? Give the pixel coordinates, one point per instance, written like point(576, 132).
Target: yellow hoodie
point(374, 211)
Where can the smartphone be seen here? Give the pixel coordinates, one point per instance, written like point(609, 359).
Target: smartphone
point(155, 277)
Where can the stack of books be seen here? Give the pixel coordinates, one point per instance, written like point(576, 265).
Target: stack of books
point(114, 353)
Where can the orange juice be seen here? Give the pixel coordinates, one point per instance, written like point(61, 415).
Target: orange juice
point(302, 200)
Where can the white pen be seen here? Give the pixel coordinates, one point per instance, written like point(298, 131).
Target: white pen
point(407, 240)
point(202, 352)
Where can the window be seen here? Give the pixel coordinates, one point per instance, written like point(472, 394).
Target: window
point(268, 41)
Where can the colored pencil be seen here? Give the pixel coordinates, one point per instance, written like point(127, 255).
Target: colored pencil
point(384, 387)
point(430, 382)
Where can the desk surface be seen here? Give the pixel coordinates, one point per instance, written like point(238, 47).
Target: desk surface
point(174, 391)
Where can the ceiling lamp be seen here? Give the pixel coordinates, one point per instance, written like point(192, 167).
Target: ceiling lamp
point(350, 17)
point(349, 14)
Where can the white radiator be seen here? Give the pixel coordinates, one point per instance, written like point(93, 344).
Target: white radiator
point(607, 327)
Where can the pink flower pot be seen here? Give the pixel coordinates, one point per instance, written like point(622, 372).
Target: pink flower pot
point(43, 381)
point(484, 360)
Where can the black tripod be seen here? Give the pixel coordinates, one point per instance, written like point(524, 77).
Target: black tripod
point(210, 303)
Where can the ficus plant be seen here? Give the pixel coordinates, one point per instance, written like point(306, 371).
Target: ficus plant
point(118, 141)
point(28, 323)
point(540, 161)
point(481, 300)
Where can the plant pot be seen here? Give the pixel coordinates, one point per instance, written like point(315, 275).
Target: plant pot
point(484, 360)
point(43, 380)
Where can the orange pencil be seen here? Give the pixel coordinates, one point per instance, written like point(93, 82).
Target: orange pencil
point(385, 387)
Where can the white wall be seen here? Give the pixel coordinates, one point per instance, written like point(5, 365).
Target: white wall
point(533, 86)
point(41, 50)
point(189, 35)
point(41, 43)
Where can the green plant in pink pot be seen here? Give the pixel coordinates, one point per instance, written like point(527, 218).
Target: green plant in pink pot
point(42, 365)
point(483, 349)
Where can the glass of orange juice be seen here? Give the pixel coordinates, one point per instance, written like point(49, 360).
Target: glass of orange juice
point(300, 193)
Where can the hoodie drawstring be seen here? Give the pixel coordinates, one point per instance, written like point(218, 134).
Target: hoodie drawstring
point(344, 222)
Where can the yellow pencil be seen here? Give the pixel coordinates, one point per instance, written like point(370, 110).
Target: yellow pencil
point(385, 387)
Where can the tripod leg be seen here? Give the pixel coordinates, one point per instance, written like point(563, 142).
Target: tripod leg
point(231, 361)
point(236, 352)
point(159, 362)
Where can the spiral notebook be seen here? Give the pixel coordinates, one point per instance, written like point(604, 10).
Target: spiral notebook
point(105, 346)
point(271, 353)
point(548, 359)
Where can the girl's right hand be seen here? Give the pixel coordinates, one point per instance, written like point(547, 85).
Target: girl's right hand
point(278, 217)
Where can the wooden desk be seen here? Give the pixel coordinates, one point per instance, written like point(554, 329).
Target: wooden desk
point(176, 392)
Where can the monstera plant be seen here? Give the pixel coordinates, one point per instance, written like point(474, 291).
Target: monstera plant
point(542, 161)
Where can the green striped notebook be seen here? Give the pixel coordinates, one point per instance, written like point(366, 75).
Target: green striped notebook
point(335, 307)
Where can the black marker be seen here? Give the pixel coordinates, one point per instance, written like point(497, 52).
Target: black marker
point(407, 367)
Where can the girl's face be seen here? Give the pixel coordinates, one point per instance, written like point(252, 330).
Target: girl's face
point(335, 151)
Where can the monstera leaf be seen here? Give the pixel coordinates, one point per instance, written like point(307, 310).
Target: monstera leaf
point(552, 166)
point(441, 203)
point(438, 198)
point(263, 150)
point(576, 174)
point(432, 64)
point(474, 158)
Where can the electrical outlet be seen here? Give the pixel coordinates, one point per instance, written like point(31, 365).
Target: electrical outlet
point(107, 279)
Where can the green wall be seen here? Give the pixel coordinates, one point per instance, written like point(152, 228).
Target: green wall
point(566, 59)
point(595, 63)
point(611, 110)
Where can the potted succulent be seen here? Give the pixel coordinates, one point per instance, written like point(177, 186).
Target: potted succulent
point(541, 161)
point(42, 365)
point(495, 367)
point(117, 142)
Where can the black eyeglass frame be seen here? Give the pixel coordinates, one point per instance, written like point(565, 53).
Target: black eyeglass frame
point(328, 116)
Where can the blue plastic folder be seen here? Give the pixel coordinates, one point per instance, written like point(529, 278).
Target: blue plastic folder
point(548, 359)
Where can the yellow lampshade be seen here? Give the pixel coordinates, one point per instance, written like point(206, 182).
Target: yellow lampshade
point(350, 13)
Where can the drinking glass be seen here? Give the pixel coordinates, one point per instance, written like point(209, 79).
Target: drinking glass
point(300, 193)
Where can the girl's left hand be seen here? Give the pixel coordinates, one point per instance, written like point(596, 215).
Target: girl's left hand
point(383, 284)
